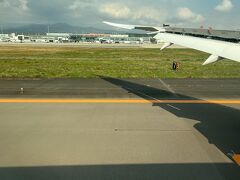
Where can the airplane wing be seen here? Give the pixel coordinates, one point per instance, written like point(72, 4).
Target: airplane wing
point(139, 27)
point(218, 49)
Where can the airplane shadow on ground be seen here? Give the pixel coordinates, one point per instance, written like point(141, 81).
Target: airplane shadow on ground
point(219, 124)
point(204, 171)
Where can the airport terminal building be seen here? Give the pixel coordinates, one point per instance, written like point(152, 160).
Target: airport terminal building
point(76, 38)
point(129, 38)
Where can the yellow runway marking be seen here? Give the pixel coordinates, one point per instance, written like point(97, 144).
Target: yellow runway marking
point(127, 101)
point(236, 158)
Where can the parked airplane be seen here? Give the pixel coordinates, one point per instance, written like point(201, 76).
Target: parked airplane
point(218, 49)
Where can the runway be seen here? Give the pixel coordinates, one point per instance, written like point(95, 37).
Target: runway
point(111, 128)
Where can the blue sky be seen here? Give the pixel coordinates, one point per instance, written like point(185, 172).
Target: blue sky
point(221, 14)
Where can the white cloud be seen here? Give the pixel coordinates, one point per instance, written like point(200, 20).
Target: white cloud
point(80, 4)
point(4, 3)
point(224, 6)
point(149, 13)
point(14, 4)
point(115, 10)
point(93, 12)
point(15, 11)
point(79, 7)
point(23, 4)
point(187, 14)
point(75, 5)
point(140, 14)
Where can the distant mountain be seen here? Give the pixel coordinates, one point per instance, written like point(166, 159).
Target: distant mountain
point(55, 28)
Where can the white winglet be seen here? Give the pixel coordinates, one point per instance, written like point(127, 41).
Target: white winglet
point(125, 26)
point(166, 45)
point(212, 59)
point(140, 27)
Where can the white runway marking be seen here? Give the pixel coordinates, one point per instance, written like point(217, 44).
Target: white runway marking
point(157, 100)
point(173, 107)
point(145, 95)
point(168, 87)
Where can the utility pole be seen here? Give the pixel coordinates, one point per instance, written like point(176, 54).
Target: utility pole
point(1, 29)
point(48, 28)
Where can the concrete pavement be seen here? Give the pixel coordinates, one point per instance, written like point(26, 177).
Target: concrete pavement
point(119, 141)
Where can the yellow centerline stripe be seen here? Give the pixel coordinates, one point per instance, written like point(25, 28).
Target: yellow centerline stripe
point(137, 101)
point(236, 158)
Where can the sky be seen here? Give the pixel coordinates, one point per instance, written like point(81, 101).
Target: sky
point(220, 14)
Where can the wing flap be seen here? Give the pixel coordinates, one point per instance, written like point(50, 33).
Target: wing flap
point(212, 59)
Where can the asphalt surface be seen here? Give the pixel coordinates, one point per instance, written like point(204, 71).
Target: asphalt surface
point(119, 140)
point(106, 87)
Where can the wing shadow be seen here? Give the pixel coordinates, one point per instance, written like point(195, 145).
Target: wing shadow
point(219, 124)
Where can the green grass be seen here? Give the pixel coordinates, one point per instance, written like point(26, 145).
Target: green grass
point(62, 62)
